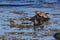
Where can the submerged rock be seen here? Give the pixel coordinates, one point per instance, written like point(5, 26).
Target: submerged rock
point(18, 12)
point(57, 36)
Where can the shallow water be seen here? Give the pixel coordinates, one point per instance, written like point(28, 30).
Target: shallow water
point(28, 33)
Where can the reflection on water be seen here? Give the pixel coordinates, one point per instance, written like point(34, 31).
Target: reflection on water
point(15, 25)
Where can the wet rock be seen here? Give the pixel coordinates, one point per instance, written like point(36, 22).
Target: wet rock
point(24, 26)
point(28, 26)
point(39, 27)
point(14, 25)
point(57, 36)
point(13, 22)
point(21, 26)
